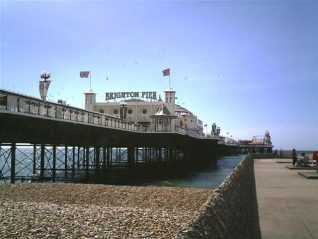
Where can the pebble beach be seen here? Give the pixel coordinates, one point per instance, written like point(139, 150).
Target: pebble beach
point(43, 210)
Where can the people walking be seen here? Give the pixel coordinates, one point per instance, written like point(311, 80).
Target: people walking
point(294, 156)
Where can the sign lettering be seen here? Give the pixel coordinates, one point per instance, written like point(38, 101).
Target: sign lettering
point(145, 94)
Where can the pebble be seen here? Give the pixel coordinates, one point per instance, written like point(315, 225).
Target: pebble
point(65, 211)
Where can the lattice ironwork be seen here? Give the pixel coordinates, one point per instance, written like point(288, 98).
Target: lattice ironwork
point(5, 164)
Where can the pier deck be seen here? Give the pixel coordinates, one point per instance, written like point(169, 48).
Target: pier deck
point(287, 202)
point(69, 142)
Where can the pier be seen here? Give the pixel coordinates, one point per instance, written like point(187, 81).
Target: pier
point(67, 142)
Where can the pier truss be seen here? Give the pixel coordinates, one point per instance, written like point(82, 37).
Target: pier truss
point(44, 162)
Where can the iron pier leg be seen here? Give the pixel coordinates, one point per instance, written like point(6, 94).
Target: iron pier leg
point(42, 162)
point(84, 158)
point(107, 156)
point(160, 155)
point(117, 155)
point(170, 154)
point(65, 161)
point(136, 155)
point(97, 153)
point(131, 156)
point(13, 149)
point(34, 159)
point(73, 163)
point(78, 157)
point(54, 163)
point(87, 162)
point(94, 157)
point(104, 158)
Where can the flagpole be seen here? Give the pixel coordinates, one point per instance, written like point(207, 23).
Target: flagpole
point(169, 80)
point(90, 80)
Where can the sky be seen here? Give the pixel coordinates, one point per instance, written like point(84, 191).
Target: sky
point(248, 66)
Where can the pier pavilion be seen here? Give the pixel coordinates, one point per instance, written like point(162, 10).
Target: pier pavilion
point(147, 111)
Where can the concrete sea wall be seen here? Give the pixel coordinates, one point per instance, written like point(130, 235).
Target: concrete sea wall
point(231, 211)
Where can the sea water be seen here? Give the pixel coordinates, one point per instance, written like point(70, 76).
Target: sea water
point(209, 177)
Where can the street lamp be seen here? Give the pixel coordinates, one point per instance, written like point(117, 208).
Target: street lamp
point(45, 75)
point(206, 130)
point(44, 84)
point(123, 110)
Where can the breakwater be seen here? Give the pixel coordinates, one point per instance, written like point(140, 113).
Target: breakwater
point(231, 211)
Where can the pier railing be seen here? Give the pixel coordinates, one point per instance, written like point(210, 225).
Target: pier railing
point(23, 104)
point(14, 102)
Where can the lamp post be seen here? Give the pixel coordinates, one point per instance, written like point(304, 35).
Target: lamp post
point(44, 84)
point(123, 111)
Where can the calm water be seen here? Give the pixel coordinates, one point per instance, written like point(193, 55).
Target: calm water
point(205, 178)
point(208, 177)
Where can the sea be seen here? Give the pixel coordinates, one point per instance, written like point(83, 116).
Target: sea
point(209, 176)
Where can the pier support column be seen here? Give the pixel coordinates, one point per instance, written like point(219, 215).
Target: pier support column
point(87, 162)
point(73, 163)
point(171, 154)
point(97, 160)
point(108, 155)
point(78, 157)
point(42, 162)
point(34, 159)
point(65, 161)
point(136, 155)
point(84, 158)
point(54, 163)
point(160, 154)
point(131, 156)
point(104, 158)
point(13, 149)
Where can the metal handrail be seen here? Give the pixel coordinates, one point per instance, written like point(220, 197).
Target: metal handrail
point(24, 104)
point(15, 102)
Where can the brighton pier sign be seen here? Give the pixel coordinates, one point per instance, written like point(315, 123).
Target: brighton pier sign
point(145, 94)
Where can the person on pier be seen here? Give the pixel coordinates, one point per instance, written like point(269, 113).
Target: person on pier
point(294, 156)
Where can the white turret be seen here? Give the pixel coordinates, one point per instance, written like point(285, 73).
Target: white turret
point(267, 138)
point(170, 98)
point(90, 100)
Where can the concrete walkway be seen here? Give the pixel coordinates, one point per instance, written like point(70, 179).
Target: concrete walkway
point(287, 202)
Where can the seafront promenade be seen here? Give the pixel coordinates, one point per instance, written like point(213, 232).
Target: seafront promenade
point(287, 202)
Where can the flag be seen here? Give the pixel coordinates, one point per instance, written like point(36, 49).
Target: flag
point(84, 74)
point(166, 72)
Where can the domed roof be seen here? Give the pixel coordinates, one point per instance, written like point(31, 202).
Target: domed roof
point(133, 100)
point(182, 110)
point(228, 140)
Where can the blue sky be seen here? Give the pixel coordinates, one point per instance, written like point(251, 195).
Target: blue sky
point(248, 66)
